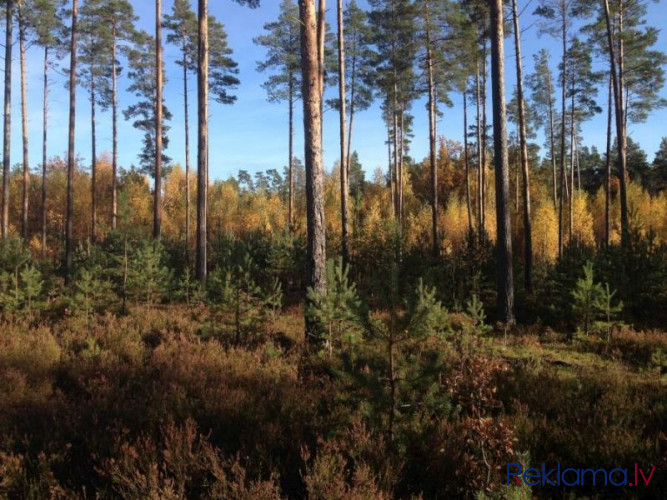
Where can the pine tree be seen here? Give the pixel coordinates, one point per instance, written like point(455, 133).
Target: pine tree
point(69, 222)
point(504, 232)
point(542, 90)
point(558, 17)
point(95, 76)
point(141, 73)
point(283, 57)
point(659, 174)
point(46, 19)
point(523, 142)
point(394, 26)
point(312, 67)
point(182, 27)
point(6, 160)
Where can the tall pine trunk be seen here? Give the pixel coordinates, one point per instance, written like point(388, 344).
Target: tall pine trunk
point(552, 142)
point(290, 167)
point(504, 233)
point(480, 167)
point(432, 110)
point(607, 171)
point(466, 159)
point(157, 199)
point(311, 66)
point(202, 142)
point(561, 207)
point(527, 224)
point(186, 112)
point(344, 180)
point(45, 120)
point(24, 125)
point(93, 162)
point(69, 244)
point(621, 140)
point(114, 119)
point(6, 163)
point(484, 148)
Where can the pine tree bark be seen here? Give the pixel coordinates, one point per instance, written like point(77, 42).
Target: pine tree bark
point(552, 142)
point(561, 229)
point(527, 224)
point(24, 124)
point(432, 110)
point(484, 147)
point(480, 167)
point(6, 161)
point(311, 65)
point(69, 244)
point(157, 199)
point(202, 143)
point(186, 112)
point(114, 119)
point(290, 167)
point(621, 140)
point(466, 159)
point(504, 233)
point(45, 120)
point(607, 177)
point(93, 163)
point(344, 166)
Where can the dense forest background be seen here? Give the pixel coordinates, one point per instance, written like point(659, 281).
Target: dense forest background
point(334, 331)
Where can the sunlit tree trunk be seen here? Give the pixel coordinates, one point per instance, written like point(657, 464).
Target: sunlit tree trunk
point(202, 142)
point(504, 233)
point(24, 124)
point(344, 166)
point(6, 162)
point(312, 83)
point(527, 224)
point(45, 119)
point(69, 244)
point(157, 199)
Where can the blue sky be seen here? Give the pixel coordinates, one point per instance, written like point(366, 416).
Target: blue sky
point(252, 133)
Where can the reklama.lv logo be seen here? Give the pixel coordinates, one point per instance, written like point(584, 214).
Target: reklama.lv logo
point(576, 477)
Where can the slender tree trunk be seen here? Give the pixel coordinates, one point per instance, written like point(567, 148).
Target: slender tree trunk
point(312, 81)
point(401, 180)
point(157, 203)
point(432, 110)
point(484, 137)
point(504, 233)
point(525, 169)
point(392, 178)
point(562, 142)
point(186, 112)
point(202, 142)
point(290, 167)
point(621, 140)
point(93, 163)
point(24, 125)
point(344, 181)
point(6, 163)
point(45, 119)
point(69, 244)
point(607, 177)
point(466, 159)
point(480, 221)
point(552, 142)
point(397, 180)
point(114, 119)
point(353, 95)
point(572, 193)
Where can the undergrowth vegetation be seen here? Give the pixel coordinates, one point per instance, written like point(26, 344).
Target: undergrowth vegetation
point(139, 384)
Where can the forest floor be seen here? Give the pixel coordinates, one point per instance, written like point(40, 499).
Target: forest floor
point(162, 403)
